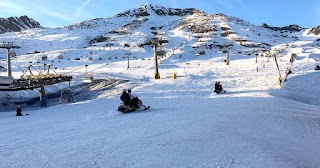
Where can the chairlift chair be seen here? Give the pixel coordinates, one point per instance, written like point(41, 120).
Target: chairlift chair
point(66, 96)
point(12, 54)
point(86, 77)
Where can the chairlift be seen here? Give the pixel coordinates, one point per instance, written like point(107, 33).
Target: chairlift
point(5, 82)
point(60, 57)
point(44, 57)
point(86, 77)
point(161, 53)
point(66, 96)
point(12, 54)
point(198, 53)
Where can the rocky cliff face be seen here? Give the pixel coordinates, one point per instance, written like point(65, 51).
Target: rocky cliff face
point(16, 24)
point(290, 28)
point(315, 30)
point(148, 9)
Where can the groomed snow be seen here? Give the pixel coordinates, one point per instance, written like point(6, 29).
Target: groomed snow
point(187, 126)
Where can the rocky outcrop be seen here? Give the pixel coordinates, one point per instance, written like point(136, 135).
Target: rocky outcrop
point(290, 28)
point(315, 30)
point(148, 9)
point(16, 24)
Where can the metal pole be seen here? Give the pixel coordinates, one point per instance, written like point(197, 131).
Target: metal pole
point(227, 56)
point(43, 97)
point(128, 60)
point(156, 73)
point(86, 69)
point(9, 63)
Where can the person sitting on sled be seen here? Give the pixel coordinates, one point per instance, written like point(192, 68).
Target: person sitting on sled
point(218, 87)
point(125, 97)
point(131, 95)
point(18, 111)
point(135, 101)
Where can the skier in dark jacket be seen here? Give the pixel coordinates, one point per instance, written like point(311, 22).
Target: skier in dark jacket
point(317, 68)
point(125, 97)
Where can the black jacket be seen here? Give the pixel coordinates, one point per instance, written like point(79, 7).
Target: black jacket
point(125, 97)
point(218, 86)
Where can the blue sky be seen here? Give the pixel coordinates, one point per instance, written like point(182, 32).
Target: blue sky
point(53, 13)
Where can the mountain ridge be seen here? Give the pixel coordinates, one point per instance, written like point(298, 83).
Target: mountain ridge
point(16, 24)
point(149, 9)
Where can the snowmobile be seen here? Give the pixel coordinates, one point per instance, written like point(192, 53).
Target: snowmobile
point(134, 105)
point(220, 91)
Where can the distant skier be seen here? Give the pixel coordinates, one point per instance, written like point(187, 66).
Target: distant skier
point(125, 97)
point(317, 68)
point(19, 111)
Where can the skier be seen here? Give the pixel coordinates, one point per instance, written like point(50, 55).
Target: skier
point(317, 68)
point(18, 110)
point(125, 97)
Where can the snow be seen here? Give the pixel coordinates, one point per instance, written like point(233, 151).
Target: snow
point(256, 123)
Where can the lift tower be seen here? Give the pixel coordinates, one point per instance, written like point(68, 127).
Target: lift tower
point(8, 46)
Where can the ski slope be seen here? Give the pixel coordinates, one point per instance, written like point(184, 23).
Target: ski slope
point(253, 125)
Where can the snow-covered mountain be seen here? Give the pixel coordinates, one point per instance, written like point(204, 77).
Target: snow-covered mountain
point(16, 24)
point(132, 31)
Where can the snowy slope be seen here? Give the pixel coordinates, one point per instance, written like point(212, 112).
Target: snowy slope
point(256, 123)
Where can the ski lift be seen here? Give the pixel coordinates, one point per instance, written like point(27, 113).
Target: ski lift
point(161, 53)
point(90, 58)
point(86, 77)
point(44, 57)
point(66, 96)
point(12, 54)
point(198, 53)
point(60, 57)
point(5, 82)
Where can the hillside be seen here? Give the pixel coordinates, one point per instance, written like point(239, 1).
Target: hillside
point(256, 123)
